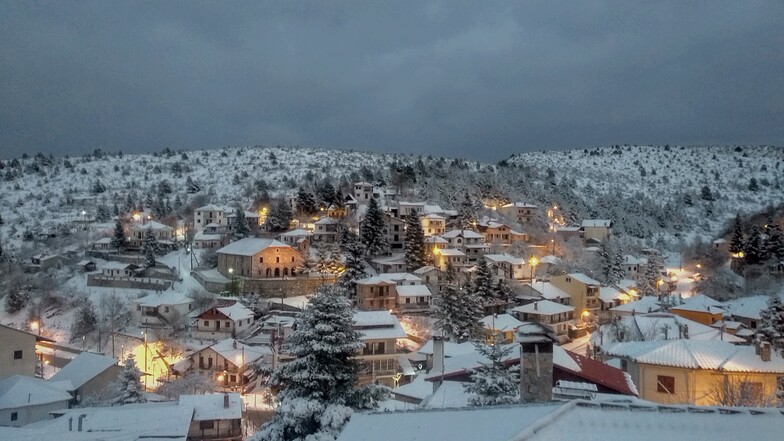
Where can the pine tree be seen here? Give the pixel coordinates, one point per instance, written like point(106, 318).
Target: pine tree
point(606, 257)
point(502, 291)
point(118, 241)
point(191, 187)
point(414, 242)
point(771, 328)
point(753, 185)
point(736, 243)
point(129, 385)
point(16, 300)
point(648, 282)
point(775, 244)
point(354, 268)
point(279, 217)
point(2, 222)
point(85, 321)
point(458, 311)
point(241, 229)
point(149, 248)
point(617, 271)
point(754, 248)
point(707, 195)
point(318, 391)
point(373, 230)
point(466, 214)
point(493, 383)
point(483, 282)
point(306, 202)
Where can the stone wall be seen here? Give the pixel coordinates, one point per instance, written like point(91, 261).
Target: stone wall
point(537, 385)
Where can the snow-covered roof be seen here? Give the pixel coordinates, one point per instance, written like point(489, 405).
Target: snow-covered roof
point(507, 258)
point(549, 291)
point(83, 368)
point(236, 311)
point(326, 221)
point(661, 326)
point(104, 240)
point(152, 225)
point(250, 246)
point(747, 307)
point(118, 265)
point(720, 241)
point(377, 325)
point(451, 349)
point(425, 269)
point(697, 354)
point(545, 307)
point(413, 291)
point(238, 353)
point(609, 294)
point(393, 258)
point(597, 223)
point(299, 302)
point(500, 322)
point(296, 233)
point(204, 236)
point(451, 252)
point(518, 205)
point(390, 278)
point(645, 304)
point(610, 419)
point(468, 234)
point(701, 303)
point(164, 298)
point(631, 260)
point(211, 207)
point(22, 391)
point(582, 278)
point(434, 216)
point(435, 239)
point(211, 406)
point(567, 229)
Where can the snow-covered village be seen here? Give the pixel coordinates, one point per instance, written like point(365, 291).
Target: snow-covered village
point(377, 221)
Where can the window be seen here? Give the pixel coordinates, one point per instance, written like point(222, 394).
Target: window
point(166, 309)
point(396, 228)
point(206, 323)
point(206, 425)
point(228, 324)
point(14, 416)
point(261, 260)
point(17, 355)
point(277, 260)
point(292, 258)
point(232, 378)
point(665, 384)
point(138, 307)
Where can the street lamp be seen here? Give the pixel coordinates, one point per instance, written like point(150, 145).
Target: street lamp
point(145, 358)
point(533, 261)
point(35, 327)
point(552, 244)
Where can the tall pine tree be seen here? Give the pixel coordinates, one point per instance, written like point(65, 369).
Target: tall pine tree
point(483, 282)
point(493, 383)
point(458, 311)
point(416, 255)
point(280, 217)
point(129, 385)
point(736, 243)
point(373, 232)
point(149, 248)
point(118, 241)
point(771, 327)
point(241, 228)
point(317, 390)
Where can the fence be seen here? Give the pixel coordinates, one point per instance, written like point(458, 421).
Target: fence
point(128, 282)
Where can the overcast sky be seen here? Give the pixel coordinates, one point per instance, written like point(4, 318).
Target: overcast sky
point(477, 79)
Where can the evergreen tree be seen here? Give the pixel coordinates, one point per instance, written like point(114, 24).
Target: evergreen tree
point(483, 282)
point(648, 282)
point(466, 213)
point(149, 248)
point(753, 185)
point(279, 217)
point(736, 243)
point(606, 258)
point(373, 230)
point(458, 311)
point(241, 228)
point(16, 300)
point(754, 249)
point(85, 321)
point(129, 385)
point(318, 391)
point(493, 383)
point(502, 291)
point(118, 241)
point(617, 271)
point(775, 244)
point(771, 328)
point(191, 187)
point(707, 195)
point(116, 210)
point(2, 222)
point(416, 256)
point(354, 268)
point(306, 202)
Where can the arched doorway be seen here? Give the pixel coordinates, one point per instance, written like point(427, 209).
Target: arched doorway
point(277, 272)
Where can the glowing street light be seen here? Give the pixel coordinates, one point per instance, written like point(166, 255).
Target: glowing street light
point(533, 261)
point(35, 327)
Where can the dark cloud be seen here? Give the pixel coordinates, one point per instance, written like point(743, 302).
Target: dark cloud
point(475, 79)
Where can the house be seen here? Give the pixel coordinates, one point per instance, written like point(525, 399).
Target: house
point(87, 375)
point(381, 292)
point(633, 266)
point(252, 218)
point(700, 372)
point(18, 352)
point(163, 233)
point(556, 316)
point(298, 239)
point(596, 230)
point(222, 321)
point(395, 228)
point(507, 267)
point(643, 305)
point(168, 308)
point(215, 416)
point(657, 326)
point(86, 266)
point(746, 310)
point(468, 241)
point(433, 224)
point(601, 419)
point(208, 239)
point(379, 360)
point(230, 362)
point(497, 233)
point(43, 262)
point(326, 231)
point(363, 192)
point(519, 211)
point(104, 244)
point(258, 258)
point(432, 277)
point(449, 257)
point(701, 309)
point(405, 209)
point(539, 290)
point(119, 269)
point(413, 298)
point(25, 400)
point(583, 290)
point(610, 297)
point(208, 214)
point(500, 328)
point(720, 245)
point(394, 263)
point(568, 233)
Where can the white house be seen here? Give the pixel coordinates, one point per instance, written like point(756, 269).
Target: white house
point(163, 233)
point(468, 241)
point(25, 400)
point(168, 307)
point(556, 316)
point(208, 214)
point(224, 321)
point(433, 224)
point(119, 269)
point(508, 267)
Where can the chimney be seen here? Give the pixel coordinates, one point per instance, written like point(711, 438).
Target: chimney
point(225, 400)
point(536, 363)
point(234, 344)
point(686, 331)
point(765, 351)
point(438, 359)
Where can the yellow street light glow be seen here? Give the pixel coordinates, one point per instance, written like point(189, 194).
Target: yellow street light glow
point(533, 261)
point(34, 325)
point(586, 313)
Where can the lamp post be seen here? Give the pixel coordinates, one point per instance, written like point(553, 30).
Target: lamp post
point(533, 261)
point(35, 326)
point(145, 358)
point(552, 245)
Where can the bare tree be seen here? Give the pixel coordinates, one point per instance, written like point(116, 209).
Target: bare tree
point(115, 314)
point(740, 391)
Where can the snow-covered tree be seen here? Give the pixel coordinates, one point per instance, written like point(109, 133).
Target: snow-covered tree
point(458, 311)
point(416, 254)
point(466, 213)
point(16, 300)
point(85, 320)
point(736, 243)
point(754, 248)
point(771, 326)
point(118, 241)
point(317, 390)
point(306, 202)
point(373, 230)
point(241, 228)
point(354, 264)
point(617, 271)
point(775, 244)
point(149, 248)
point(482, 284)
point(502, 291)
point(129, 385)
point(494, 383)
point(279, 217)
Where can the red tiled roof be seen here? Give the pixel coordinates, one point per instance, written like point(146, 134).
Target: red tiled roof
point(600, 374)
